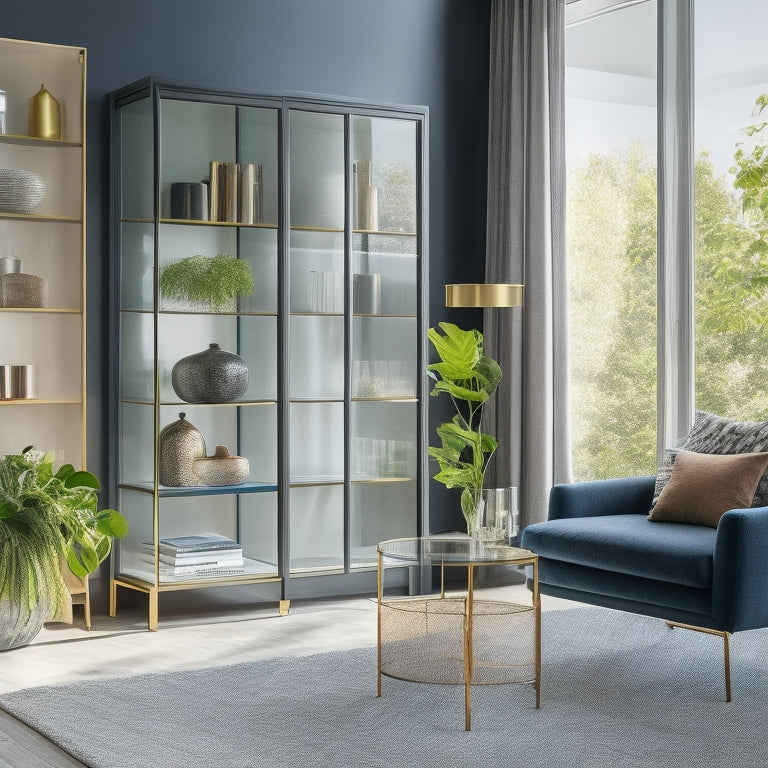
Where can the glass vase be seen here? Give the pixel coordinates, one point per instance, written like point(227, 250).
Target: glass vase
point(497, 516)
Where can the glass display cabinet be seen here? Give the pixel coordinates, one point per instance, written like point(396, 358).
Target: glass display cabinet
point(325, 202)
point(42, 251)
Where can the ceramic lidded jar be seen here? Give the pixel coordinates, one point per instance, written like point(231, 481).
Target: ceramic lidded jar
point(212, 376)
point(180, 444)
point(222, 468)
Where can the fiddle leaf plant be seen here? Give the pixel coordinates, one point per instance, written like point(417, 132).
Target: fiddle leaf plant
point(47, 518)
point(469, 378)
point(214, 280)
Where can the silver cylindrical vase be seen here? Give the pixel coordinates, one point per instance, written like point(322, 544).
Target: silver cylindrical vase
point(18, 382)
point(10, 265)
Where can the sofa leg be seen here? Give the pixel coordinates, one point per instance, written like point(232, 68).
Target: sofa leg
point(726, 650)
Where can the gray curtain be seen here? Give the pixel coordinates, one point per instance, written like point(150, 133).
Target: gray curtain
point(526, 244)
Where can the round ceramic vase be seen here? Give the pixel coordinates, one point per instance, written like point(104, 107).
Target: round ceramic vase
point(212, 376)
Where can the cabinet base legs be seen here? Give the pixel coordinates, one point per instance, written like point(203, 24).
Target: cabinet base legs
point(285, 606)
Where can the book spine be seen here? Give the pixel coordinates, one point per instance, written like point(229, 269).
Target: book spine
point(214, 193)
point(246, 193)
point(229, 202)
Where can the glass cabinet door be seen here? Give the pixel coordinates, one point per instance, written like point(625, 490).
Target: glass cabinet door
point(214, 191)
point(316, 347)
point(385, 334)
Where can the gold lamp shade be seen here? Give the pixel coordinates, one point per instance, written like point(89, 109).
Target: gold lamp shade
point(484, 295)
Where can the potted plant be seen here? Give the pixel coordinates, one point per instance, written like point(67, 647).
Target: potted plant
point(210, 280)
point(47, 519)
point(470, 378)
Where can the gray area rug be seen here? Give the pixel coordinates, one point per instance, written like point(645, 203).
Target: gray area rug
point(618, 691)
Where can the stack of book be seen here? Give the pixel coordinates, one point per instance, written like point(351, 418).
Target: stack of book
point(205, 555)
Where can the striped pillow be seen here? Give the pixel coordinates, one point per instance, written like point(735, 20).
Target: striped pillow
point(716, 434)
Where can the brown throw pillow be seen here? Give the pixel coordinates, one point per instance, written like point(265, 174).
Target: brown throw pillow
point(703, 486)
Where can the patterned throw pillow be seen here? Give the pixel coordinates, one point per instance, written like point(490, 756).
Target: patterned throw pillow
point(715, 434)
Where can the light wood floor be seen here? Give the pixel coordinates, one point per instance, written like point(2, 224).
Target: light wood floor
point(197, 629)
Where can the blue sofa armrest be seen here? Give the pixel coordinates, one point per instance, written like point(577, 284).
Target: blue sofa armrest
point(624, 495)
point(740, 575)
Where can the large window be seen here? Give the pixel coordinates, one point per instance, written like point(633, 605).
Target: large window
point(731, 207)
point(611, 130)
point(611, 236)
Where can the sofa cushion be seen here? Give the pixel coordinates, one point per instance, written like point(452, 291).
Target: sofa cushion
point(631, 544)
point(704, 486)
point(716, 434)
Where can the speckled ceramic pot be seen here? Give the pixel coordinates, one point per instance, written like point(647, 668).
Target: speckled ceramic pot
point(212, 376)
point(180, 444)
point(221, 468)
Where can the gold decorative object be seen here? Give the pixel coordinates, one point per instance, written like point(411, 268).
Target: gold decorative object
point(484, 295)
point(44, 115)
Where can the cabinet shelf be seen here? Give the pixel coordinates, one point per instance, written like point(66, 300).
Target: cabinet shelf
point(305, 480)
point(42, 217)
point(384, 232)
point(44, 310)
point(372, 480)
point(200, 490)
point(183, 404)
point(39, 401)
point(197, 312)
point(198, 223)
point(253, 570)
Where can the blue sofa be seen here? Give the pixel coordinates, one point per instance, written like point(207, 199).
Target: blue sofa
point(598, 547)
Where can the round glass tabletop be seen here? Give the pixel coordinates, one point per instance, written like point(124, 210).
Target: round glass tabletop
point(459, 550)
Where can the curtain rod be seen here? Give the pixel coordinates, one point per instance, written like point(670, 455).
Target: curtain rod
point(590, 15)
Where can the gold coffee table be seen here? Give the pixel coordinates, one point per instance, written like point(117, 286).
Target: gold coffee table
point(457, 638)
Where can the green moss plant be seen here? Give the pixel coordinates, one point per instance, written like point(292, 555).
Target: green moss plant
point(214, 280)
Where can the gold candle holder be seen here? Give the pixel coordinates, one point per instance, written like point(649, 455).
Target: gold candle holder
point(44, 115)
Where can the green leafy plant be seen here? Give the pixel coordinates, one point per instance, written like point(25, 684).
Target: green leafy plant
point(214, 280)
point(46, 518)
point(470, 378)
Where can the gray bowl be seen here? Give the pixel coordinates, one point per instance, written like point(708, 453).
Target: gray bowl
point(20, 191)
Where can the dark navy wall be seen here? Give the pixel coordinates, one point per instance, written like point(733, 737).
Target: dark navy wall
point(424, 52)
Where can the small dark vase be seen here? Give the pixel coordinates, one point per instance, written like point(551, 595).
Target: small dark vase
point(212, 376)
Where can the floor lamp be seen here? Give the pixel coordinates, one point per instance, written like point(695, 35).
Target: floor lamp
point(500, 509)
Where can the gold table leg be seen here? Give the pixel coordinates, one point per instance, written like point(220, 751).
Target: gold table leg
point(468, 650)
point(537, 607)
point(379, 590)
point(112, 598)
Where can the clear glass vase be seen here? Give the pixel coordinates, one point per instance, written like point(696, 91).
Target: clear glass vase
point(496, 519)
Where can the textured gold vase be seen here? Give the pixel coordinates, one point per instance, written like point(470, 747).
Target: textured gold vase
point(44, 115)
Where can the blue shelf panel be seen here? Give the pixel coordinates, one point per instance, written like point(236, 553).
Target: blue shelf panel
point(200, 490)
